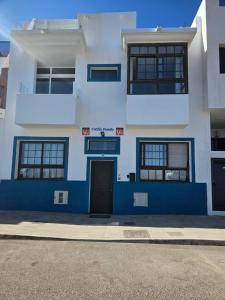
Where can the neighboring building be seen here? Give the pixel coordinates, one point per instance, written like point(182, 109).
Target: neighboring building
point(4, 62)
point(103, 117)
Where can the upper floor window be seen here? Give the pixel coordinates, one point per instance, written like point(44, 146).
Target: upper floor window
point(222, 60)
point(55, 80)
point(104, 73)
point(222, 2)
point(4, 48)
point(157, 69)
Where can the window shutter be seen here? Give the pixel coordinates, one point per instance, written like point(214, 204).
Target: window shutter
point(178, 155)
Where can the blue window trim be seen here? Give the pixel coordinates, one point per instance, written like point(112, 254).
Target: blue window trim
point(88, 174)
point(116, 139)
point(38, 138)
point(89, 66)
point(190, 140)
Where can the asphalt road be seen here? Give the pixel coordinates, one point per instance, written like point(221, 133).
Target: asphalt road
point(83, 270)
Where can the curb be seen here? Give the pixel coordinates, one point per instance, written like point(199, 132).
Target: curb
point(193, 242)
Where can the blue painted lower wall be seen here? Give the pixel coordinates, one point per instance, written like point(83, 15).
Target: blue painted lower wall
point(39, 195)
point(164, 198)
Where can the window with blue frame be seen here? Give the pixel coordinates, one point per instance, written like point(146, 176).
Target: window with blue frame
point(164, 161)
point(222, 2)
point(102, 145)
point(106, 73)
point(42, 159)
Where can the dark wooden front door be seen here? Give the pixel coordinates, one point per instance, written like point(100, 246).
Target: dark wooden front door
point(101, 187)
point(218, 184)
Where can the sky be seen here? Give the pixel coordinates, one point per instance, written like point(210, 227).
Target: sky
point(150, 13)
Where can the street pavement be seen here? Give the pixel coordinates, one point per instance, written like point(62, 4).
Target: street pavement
point(31, 269)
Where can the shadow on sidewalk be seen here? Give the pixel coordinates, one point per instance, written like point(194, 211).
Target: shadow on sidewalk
point(157, 221)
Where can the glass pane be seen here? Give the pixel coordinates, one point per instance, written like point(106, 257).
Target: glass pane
point(62, 86)
point(222, 60)
point(143, 88)
point(66, 71)
point(171, 67)
point(172, 88)
point(42, 86)
point(152, 174)
point(102, 145)
point(43, 71)
point(176, 175)
point(143, 50)
point(31, 153)
point(183, 175)
point(152, 50)
point(162, 50)
point(178, 155)
point(53, 154)
point(146, 69)
point(179, 49)
point(51, 173)
point(104, 75)
point(144, 174)
point(4, 48)
point(30, 173)
point(155, 155)
point(134, 50)
point(159, 175)
point(172, 175)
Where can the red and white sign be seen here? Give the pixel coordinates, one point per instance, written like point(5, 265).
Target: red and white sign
point(119, 131)
point(86, 131)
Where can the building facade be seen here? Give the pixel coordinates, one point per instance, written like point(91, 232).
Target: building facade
point(103, 117)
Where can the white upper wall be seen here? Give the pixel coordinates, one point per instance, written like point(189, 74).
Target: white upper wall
point(103, 103)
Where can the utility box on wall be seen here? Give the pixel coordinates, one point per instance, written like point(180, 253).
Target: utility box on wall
point(140, 199)
point(61, 197)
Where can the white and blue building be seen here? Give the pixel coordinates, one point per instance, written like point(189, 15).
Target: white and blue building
point(103, 117)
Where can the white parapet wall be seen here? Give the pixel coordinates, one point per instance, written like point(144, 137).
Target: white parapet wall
point(41, 109)
point(158, 110)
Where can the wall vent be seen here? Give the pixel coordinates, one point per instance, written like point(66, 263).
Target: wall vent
point(61, 197)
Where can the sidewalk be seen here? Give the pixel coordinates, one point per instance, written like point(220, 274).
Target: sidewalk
point(200, 230)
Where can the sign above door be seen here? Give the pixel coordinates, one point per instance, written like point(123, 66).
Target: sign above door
point(109, 131)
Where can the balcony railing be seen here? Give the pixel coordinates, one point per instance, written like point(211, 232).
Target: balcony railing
point(28, 89)
point(66, 24)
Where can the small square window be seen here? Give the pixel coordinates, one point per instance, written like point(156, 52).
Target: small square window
point(105, 73)
point(222, 2)
point(107, 145)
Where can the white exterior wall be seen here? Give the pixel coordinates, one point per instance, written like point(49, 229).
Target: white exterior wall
point(103, 104)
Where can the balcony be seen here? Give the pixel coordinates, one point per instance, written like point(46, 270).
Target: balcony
point(158, 110)
point(46, 109)
point(51, 41)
